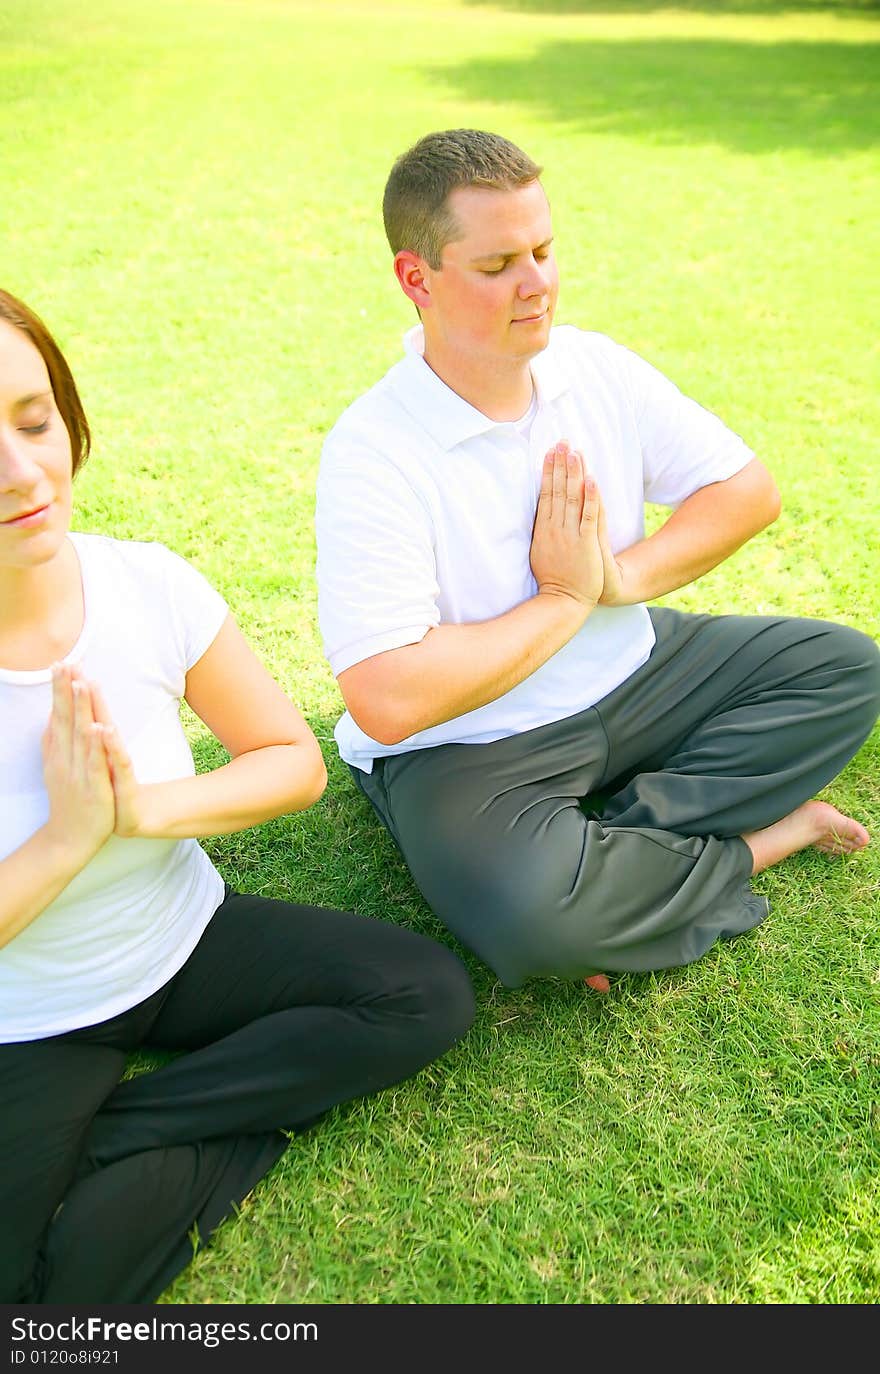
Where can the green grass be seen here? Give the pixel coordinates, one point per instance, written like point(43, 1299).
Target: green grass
point(191, 196)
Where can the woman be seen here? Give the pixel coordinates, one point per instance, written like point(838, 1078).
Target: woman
point(116, 931)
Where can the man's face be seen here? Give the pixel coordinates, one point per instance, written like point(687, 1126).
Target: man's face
point(492, 299)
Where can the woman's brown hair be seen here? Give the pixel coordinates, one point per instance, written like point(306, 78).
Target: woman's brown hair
point(70, 407)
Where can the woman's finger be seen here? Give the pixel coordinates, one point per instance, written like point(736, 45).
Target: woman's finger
point(94, 754)
point(62, 707)
point(118, 756)
point(100, 710)
point(82, 720)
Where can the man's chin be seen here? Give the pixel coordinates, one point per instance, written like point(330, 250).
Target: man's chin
point(533, 343)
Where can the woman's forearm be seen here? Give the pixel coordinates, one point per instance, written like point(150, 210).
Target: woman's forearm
point(251, 788)
point(32, 876)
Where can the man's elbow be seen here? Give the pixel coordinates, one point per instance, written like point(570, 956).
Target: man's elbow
point(765, 499)
point(377, 721)
point(377, 701)
point(772, 504)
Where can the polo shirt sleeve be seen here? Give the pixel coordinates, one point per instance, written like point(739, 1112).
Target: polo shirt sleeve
point(376, 570)
point(684, 446)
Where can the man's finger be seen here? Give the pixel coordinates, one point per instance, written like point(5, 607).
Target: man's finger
point(559, 486)
point(603, 528)
point(590, 513)
point(574, 489)
point(545, 496)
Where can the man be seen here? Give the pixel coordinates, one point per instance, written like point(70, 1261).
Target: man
point(578, 784)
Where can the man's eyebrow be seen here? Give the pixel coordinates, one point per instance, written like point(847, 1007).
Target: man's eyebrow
point(510, 252)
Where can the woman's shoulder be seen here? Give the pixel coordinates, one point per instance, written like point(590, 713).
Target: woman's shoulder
point(138, 557)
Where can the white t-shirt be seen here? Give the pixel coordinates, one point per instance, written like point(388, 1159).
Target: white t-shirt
point(131, 918)
point(425, 510)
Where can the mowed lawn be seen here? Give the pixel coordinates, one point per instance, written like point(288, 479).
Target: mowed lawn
point(191, 196)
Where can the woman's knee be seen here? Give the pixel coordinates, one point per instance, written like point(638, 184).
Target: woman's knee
point(447, 996)
point(428, 986)
point(20, 1267)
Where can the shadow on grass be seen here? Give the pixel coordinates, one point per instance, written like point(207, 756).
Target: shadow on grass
point(859, 9)
point(336, 854)
point(820, 98)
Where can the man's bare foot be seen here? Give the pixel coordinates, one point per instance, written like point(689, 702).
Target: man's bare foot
point(815, 823)
point(598, 982)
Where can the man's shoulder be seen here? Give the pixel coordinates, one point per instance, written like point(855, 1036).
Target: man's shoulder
point(373, 415)
point(569, 341)
point(580, 360)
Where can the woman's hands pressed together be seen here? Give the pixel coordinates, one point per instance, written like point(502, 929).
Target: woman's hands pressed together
point(92, 789)
point(82, 808)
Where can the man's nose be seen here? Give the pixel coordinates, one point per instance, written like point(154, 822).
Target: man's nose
point(535, 280)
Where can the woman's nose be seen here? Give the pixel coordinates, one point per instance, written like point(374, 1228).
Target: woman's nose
point(19, 469)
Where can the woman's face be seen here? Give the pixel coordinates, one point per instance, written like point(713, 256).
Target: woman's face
point(35, 457)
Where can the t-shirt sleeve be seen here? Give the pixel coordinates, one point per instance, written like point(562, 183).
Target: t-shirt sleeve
point(198, 610)
point(376, 570)
point(684, 445)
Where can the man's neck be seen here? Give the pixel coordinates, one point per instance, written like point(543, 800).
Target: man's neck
point(500, 391)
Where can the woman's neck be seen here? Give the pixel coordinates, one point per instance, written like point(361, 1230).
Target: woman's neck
point(41, 611)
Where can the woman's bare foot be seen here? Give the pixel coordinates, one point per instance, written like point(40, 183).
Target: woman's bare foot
point(815, 823)
point(598, 982)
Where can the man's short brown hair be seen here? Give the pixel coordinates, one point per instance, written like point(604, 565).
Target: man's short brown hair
point(415, 204)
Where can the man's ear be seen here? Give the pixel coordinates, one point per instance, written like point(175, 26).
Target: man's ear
point(414, 276)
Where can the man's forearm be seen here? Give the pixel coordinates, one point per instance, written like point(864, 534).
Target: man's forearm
point(457, 668)
point(707, 528)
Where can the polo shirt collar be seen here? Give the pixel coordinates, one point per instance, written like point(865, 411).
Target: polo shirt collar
point(449, 417)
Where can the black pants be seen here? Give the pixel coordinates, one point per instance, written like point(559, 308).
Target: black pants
point(281, 1012)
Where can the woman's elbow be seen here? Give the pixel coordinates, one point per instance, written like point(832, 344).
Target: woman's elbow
point(319, 782)
point(317, 779)
point(308, 775)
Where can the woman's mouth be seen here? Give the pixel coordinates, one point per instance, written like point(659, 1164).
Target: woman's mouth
point(29, 518)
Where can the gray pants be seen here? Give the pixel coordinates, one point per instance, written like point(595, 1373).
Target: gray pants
point(611, 840)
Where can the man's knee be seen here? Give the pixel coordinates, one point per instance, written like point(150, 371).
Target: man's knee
point(520, 927)
point(855, 659)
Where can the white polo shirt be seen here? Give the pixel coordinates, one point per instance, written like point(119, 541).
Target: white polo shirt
point(425, 510)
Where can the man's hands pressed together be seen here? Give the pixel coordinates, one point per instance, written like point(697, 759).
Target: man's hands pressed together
point(457, 668)
point(570, 553)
